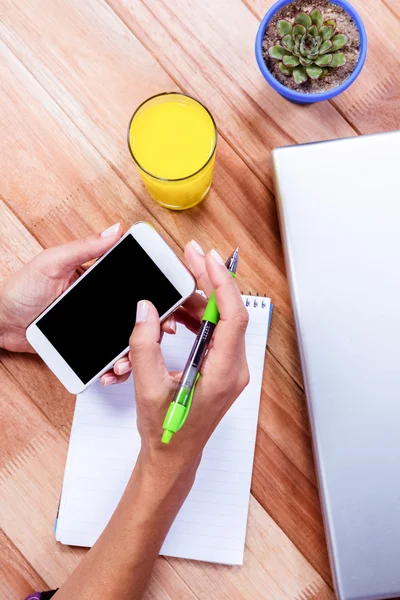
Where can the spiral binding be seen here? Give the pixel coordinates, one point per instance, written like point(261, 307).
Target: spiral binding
point(258, 300)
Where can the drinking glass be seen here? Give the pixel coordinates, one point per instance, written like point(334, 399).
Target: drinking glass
point(172, 138)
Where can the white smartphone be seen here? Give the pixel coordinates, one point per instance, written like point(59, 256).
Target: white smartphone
point(84, 331)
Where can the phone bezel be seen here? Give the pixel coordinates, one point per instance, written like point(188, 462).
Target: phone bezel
point(164, 257)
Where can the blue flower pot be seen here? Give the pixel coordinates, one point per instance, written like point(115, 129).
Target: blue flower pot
point(300, 97)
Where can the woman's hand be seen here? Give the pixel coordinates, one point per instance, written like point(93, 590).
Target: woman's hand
point(29, 291)
point(224, 374)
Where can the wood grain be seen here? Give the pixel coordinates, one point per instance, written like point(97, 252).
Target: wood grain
point(291, 500)
point(393, 6)
point(17, 246)
point(379, 83)
point(72, 73)
point(18, 579)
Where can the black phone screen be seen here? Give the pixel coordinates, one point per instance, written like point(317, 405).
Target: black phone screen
point(92, 324)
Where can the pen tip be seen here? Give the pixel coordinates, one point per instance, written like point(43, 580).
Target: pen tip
point(232, 261)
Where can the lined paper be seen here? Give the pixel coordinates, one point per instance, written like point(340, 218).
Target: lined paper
point(104, 444)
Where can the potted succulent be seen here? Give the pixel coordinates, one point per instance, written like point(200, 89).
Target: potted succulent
point(309, 52)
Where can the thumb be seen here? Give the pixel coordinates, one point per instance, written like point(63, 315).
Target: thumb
point(67, 257)
point(148, 366)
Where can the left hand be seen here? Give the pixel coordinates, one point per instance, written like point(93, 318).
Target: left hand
point(29, 291)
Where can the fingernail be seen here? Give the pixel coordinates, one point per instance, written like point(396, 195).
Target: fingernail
point(142, 311)
point(111, 230)
point(172, 324)
point(109, 380)
point(197, 247)
point(123, 367)
point(217, 257)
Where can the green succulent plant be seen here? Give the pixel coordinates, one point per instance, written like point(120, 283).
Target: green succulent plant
point(309, 47)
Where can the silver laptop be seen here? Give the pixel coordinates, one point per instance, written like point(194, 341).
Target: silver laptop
point(339, 205)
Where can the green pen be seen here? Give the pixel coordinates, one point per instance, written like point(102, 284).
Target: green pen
point(179, 408)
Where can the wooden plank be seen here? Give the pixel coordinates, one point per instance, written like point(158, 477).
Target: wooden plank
point(291, 500)
point(17, 246)
point(62, 188)
point(285, 348)
point(17, 577)
point(393, 6)
point(42, 386)
point(19, 425)
point(258, 7)
point(273, 568)
point(283, 417)
point(29, 504)
point(166, 584)
point(379, 82)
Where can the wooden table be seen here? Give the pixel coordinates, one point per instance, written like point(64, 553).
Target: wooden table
point(72, 73)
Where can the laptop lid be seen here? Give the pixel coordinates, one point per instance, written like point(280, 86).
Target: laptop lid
point(339, 206)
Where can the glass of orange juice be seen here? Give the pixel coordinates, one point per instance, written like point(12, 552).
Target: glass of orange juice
point(172, 139)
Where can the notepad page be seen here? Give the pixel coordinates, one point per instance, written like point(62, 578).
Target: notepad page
point(104, 445)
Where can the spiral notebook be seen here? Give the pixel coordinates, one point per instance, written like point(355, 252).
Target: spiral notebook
point(104, 445)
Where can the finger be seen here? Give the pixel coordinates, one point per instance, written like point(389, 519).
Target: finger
point(61, 260)
point(196, 305)
point(77, 273)
point(122, 366)
point(196, 262)
point(75, 276)
point(176, 376)
point(123, 378)
point(169, 325)
point(148, 364)
point(187, 319)
point(110, 378)
point(230, 331)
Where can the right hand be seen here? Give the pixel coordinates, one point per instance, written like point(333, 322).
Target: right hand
point(224, 374)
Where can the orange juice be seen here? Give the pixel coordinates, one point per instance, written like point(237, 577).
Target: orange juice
point(172, 139)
